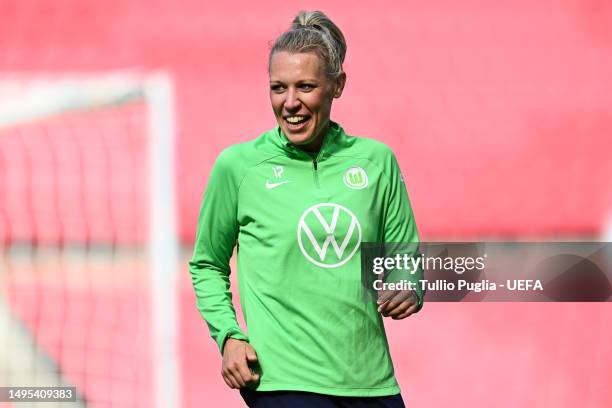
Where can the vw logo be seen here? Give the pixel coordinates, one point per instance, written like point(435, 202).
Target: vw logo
point(324, 225)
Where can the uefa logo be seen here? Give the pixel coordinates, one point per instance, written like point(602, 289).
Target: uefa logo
point(328, 225)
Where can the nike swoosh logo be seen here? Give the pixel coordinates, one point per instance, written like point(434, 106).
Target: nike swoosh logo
point(274, 185)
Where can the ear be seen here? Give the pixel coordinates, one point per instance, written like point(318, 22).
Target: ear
point(339, 85)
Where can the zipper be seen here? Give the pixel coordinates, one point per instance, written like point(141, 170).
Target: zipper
point(315, 159)
point(315, 162)
point(315, 173)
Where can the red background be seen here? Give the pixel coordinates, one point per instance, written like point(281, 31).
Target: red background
point(500, 113)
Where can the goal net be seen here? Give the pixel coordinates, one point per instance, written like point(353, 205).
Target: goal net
point(88, 250)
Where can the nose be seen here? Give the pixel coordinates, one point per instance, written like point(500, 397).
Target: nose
point(292, 102)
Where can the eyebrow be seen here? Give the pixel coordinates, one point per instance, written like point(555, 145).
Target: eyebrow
point(299, 81)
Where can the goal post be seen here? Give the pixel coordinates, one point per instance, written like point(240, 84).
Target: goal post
point(31, 98)
point(163, 241)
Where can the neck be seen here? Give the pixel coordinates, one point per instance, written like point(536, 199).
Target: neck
point(315, 145)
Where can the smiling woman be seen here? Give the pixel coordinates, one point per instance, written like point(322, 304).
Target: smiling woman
point(301, 94)
point(299, 200)
point(306, 74)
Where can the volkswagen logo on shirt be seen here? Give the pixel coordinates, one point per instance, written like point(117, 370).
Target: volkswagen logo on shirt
point(328, 234)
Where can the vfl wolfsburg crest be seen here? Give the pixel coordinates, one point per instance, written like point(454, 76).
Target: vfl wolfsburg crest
point(356, 178)
point(329, 235)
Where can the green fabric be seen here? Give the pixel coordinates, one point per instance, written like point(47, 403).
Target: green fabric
point(300, 289)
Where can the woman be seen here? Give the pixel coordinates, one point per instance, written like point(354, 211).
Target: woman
point(299, 200)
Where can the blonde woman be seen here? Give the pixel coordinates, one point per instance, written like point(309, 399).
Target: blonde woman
point(299, 200)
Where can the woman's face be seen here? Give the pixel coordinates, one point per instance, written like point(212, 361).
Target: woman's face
point(301, 95)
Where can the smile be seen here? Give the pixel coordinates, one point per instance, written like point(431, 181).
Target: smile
point(296, 122)
point(297, 119)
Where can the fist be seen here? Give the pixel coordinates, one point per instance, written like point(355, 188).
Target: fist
point(397, 304)
point(238, 358)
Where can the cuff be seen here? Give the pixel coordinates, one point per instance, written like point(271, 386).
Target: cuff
point(234, 333)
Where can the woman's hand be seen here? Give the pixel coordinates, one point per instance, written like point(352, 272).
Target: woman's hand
point(238, 355)
point(398, 304)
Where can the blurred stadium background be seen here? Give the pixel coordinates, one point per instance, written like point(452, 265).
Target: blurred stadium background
point(111, 115)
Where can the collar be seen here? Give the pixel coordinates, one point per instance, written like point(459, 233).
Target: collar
point(331, 142)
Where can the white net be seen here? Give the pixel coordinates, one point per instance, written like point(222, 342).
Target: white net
point(80, 267)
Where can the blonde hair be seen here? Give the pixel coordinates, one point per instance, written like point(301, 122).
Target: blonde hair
point(313, 31)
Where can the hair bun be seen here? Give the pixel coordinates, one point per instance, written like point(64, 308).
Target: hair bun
point(314, 31)
point(307, 25)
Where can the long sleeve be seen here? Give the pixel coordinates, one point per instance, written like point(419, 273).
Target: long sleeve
point(400, 226)
point(215, 240)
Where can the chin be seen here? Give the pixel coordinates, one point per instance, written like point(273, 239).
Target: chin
point(298, 139)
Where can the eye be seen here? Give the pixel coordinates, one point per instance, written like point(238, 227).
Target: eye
point(277, 88)
point(307, 87)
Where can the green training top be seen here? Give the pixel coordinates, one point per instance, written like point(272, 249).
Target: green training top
point(298, 220)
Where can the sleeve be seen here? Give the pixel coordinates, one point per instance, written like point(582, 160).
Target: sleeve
point(216, 236)
point(399, 224)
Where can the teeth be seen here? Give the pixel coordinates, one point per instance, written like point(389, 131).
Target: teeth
point(295, 119)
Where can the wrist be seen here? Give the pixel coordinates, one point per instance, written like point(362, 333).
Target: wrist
point(231, 341)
